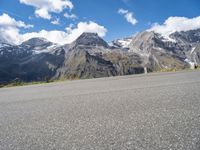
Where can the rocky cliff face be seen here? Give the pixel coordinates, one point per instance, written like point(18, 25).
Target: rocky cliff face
point(90, 56)
point(180, 50)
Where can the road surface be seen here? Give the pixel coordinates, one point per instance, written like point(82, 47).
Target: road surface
point(141, 112)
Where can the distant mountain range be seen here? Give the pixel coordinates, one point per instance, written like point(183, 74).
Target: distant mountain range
point(89, 56)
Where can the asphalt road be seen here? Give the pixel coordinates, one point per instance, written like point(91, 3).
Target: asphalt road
point(142, 112)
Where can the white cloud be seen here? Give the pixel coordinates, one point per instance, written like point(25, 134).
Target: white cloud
point(70, 16)
point(62, 37)
point(7, 21)
point(128, 16)
point(45, 7)
point(43, 13)
point(56, 21)
point(10, 28)
point(176, 24)
point(122, 11)
point(53, 36)
point(10, 31)
point(74, 32)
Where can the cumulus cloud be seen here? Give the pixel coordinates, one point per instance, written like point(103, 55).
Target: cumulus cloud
point(72, 32)
point(128, 16)
point(176, 24)
point(7, 21)
point(10, 28)
point(44, 8)
point(43, 13)
point(53, 36)
point(70, 16)
point(10, 31)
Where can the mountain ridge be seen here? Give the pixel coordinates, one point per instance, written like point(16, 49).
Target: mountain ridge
point(89, 56)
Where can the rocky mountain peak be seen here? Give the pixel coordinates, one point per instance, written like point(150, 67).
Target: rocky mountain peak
point(90, 39)
point(144, 41)
point(35, 42)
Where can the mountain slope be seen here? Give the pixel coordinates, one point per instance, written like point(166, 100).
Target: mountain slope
point(89, 56)
point(80, 64)
point(158, 52)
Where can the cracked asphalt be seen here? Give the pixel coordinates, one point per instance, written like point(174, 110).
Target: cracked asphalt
point(159, 111)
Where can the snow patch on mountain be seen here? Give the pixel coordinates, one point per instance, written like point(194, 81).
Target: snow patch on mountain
point(193, 49)
point(167, 38)
point(121, 43)
point(125, 43)
point(39, 50)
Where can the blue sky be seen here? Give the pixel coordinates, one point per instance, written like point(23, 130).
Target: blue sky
point(102, 12)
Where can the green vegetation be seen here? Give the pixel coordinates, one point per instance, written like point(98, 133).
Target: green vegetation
point(19, 83)
point(169, 70)
point(198, 67)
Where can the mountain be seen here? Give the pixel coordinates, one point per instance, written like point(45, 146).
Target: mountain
point(157, 52)
point(121, 43)
point(38, 45)
point(35, 42)
point(181, 47)
point(89, 56)
point(189, 43)
point(91, 43)
point(90, 39)
point(81, 64)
